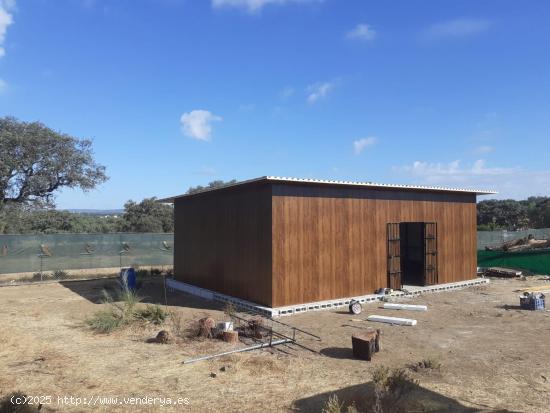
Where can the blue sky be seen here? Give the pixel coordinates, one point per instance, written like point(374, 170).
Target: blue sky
point(177, 93)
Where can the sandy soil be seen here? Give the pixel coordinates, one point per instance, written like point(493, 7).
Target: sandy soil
point(494, 356)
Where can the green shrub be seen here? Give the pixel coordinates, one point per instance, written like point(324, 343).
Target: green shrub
point(40, 276)
point(153, 313)
point(117, 314)
point(129, 298)
point(60, 275)
point(106, 321)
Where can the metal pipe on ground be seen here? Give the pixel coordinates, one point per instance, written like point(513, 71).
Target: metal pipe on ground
point(411, 307)
point(392, 320)
point(240, 350)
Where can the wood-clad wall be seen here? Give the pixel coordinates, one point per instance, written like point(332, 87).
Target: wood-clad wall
point(330, 242)
point(223, 241)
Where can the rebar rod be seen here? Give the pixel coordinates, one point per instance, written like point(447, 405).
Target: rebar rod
point(240, 350)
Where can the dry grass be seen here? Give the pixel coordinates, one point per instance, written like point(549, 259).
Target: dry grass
point(45, 350)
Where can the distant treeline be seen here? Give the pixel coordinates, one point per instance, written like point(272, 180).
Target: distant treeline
point(145, 216)
point(509, 214)
point(150, 216)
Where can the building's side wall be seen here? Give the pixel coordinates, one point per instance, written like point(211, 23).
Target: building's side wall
point(331, 242)
point(223, 242)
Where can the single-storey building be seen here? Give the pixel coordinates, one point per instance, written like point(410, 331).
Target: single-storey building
point(283, 241)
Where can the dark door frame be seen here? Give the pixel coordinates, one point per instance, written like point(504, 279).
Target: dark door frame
point(394, 270)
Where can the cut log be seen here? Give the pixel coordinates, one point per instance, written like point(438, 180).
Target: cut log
point(206, 327)
point(230, 336)
point(365, 344)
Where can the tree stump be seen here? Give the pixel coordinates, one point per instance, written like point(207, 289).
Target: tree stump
point(365, 344)
point(230, 336)
point(255, 325)
point(163, 337)
point(206, 327)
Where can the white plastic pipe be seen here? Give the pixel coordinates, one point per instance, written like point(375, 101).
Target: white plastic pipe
point(392, 320)
point(411, 307)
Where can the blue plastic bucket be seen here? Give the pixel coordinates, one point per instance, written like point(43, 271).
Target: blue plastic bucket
point(128, 277)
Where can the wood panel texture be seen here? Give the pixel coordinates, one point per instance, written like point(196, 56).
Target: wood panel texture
point(331, 242)
point(223, 241)
point(281, 244)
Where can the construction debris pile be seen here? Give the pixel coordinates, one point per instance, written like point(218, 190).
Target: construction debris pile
point(521, 244)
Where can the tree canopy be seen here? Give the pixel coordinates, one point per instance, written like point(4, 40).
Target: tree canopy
point(36, 161)
point(211, 185)
point(144, 216)
point(147, 216)
point(534, 212)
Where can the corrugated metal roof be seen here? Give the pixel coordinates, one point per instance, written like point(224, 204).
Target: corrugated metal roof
point(343, 183)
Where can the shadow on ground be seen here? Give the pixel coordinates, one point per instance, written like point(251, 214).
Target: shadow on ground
point(338, 353)
point(152, 291)
point(509, 307)
point(418, 399)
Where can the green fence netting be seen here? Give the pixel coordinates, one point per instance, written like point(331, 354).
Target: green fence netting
point(50, 252)
point(536, 261)
point(37, 252)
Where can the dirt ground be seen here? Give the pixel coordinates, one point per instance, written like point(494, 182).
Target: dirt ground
point(495, 357)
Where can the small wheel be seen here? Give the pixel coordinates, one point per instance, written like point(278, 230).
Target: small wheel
point(355, 307)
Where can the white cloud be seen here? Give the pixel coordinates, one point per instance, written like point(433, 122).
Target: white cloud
point(510, 182)
point(6, 19)
point(196, 124)
point(254, 6)
point(319, 90)
point(287, 92)
point(3, 86)
point(362, 32)
point(438, 173)
point(485, 149)
point(360, 144)
point(207, 171)
point(458, 28)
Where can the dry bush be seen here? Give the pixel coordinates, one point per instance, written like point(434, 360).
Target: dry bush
point(333, 405)
point(429, 363)
point(178, 324)
point(229, 309)
point(389, 388)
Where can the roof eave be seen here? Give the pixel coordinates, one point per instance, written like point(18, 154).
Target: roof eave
point(171, 200)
